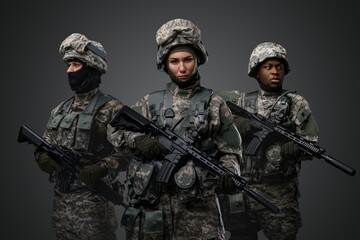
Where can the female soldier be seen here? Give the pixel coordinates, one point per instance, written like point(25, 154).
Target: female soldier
point(186, 206)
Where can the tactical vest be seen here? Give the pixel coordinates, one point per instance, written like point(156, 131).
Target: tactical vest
point(194, 118)
point(278, 111)
point(76, 131)
point(267, 165)
point(189, 182)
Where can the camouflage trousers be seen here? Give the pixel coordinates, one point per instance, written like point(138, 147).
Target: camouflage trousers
point(281, 226)
point(193, 220)
point(82, 215)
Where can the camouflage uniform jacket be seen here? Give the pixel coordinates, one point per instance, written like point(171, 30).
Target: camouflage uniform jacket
point(92, 142)
point(218, 126)
point(271, 175)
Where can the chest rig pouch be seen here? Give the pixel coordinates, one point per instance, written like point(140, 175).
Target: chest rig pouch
point(73, 131)
point(268, 162)
point(189, 179)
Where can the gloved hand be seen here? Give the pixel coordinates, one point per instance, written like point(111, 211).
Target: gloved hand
point(290, 150)
point(149, 147)
point(91, 174)
point(46, 162)
point(245, 126)
point(225, 185)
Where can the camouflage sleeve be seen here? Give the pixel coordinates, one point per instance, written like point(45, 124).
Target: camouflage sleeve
point(304, 122)
point(116, 161)
point(120, 137)
point(224, 134)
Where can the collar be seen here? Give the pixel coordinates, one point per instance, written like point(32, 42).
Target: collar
point(86, 96)
point(264, 93)
point(183, 93)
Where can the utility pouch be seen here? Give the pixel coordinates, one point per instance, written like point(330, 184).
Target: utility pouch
point(67, 120)
point(142, 178)
point(54, 123)
point(85, 122)
point(185, 179)
point(128, 218)
point(131, 170)
point(154, 222)
point(233, 210)
point(274, 163)
point(142, 187)
point(237, 204)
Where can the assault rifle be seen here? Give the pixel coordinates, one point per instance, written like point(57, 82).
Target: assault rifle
point(69, 162)
point(179, 150)
point(270, 128)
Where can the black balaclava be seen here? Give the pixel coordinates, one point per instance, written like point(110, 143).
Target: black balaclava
point(85, 79)
point(194, 77)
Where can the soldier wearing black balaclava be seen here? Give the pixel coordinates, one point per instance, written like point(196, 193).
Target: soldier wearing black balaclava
point(80, 123)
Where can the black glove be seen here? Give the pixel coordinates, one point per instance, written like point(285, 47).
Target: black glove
point(91, 174)
point(245, 126)
point(290, 150)
point(225, 185)
point(46, 162)
point(149, 147)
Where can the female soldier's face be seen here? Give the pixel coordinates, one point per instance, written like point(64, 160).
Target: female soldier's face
point(181, 64)
point(271, 74)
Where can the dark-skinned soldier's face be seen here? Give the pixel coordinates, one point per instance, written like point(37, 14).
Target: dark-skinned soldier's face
point(271, 75)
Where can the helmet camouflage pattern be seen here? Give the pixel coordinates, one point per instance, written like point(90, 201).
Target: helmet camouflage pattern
point(178, 32)
point(79, 46)
point(264, 51)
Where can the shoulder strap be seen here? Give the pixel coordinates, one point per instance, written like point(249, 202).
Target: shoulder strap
point(250, 100)
point(156, 100)
point(231, 96)
point(87, 116)
point(65, 108)
point(198, 107)
point(169, 112)
point(283, 98)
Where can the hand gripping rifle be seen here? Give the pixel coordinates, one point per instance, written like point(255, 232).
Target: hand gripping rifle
point(69, 163)
point(179, 149)
point(271, 127)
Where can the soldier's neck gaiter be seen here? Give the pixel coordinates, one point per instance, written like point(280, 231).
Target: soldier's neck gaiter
point(84, 80)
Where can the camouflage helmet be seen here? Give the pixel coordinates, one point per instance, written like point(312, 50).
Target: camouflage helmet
point(264, 51)
point(79, 46)
point(178, 32)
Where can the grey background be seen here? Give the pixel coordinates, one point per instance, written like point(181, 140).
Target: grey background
point(322, 40)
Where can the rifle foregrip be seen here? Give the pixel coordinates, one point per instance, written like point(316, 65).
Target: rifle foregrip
point(262, 200)
point(342, 166)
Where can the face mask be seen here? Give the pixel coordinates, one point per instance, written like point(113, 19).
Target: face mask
point(84, 80)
